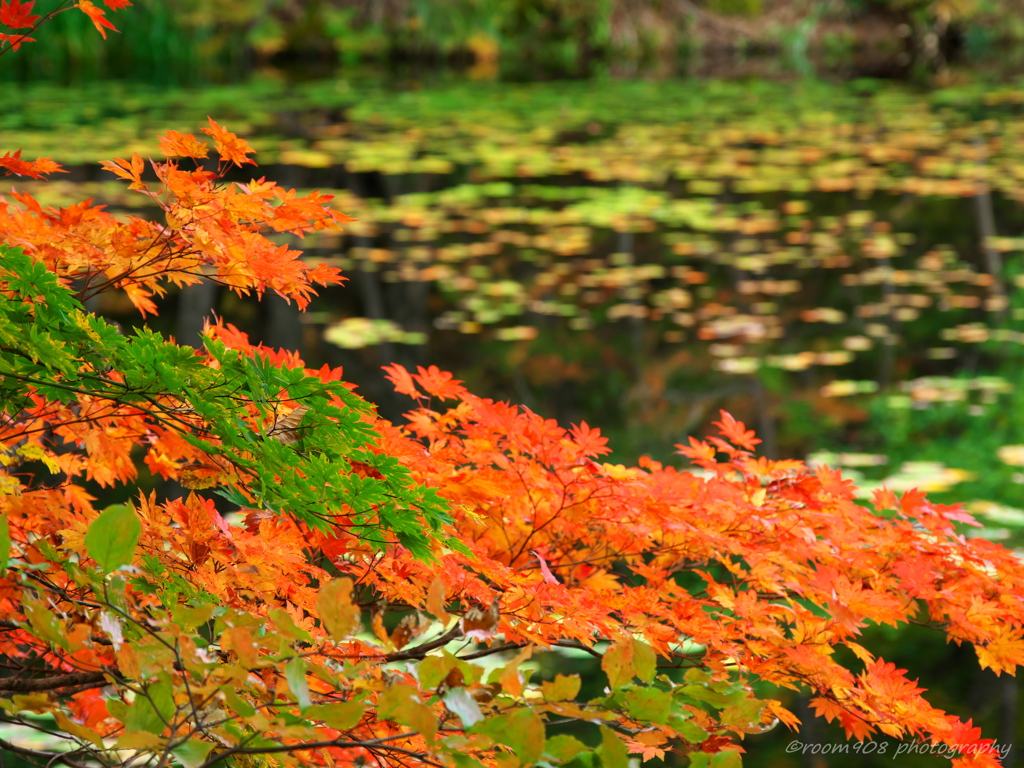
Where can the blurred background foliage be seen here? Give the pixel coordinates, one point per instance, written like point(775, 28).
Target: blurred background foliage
point(183, 40)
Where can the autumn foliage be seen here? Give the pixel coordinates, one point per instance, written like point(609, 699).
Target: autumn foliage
point(18, 18)
point(326, 588)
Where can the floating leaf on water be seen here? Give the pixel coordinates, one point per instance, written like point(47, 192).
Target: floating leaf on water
point(837, 357)
point(516, 333)
point(926, 476)
point(358, 332)
point(830, 459)
point(845, 387)
point(738, 365)
point(997, 513)
point(858, 343)
point(1013, 455)
point(823, 315)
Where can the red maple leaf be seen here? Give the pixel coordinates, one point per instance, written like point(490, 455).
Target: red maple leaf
point(16, 14)
point(15, 41)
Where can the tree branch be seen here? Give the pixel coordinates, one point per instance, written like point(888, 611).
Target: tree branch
point(27, 685)
point(422, 650)
point(52, 758)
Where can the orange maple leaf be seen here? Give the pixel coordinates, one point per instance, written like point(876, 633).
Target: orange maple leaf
point(98, 16)
point(176, 144)
point(736, 432)
point(402, 379)
point(589, 439)
point(699, 452)
point(229, 146)
point(128, 170)
point(15, 41)
point(1003, 654)
point(34, 168)
point(439, 383)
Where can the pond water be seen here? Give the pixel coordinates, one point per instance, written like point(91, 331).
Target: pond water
point(835, 264)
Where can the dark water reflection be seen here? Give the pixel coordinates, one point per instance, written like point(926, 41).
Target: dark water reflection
point(637, 254)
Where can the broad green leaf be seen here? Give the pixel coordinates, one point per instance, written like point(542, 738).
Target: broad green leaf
point(44, 624)
point(65, 724)
point(433, 669)
point(237, 703)
point(707, 695)
point(5, 543)
point(562, 748)
point(645, 661)
point(185, 616)
point(747, 710)
point(613, 752)
point(117, 709)
point(193, 752)
point(465, 761)
point(295, 674)
point(400, 703)
point(727, 758)
point(617, 663)
point(341, 716)
point(697, 675)
point(526, 735)
point(152, 711)
point(112, 537)
point(340, 616)
point(562, 688)
point(648, 704)
point(284, 622)
point(689, 730)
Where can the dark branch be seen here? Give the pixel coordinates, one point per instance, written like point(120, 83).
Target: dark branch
point(27, 685)
point(52, 758)
point(422, 650)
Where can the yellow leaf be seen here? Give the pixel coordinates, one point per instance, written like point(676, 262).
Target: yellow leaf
point(31, 702)
point(141, 740)
point(127, 662)
point(9, 486)
point(511, 680)
point(81, 321)
point(239, 640)
point(601, 581)
point(69, 726)
point(435, 603)
point(340, 617)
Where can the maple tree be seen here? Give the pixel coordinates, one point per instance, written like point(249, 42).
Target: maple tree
point(333, 589)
